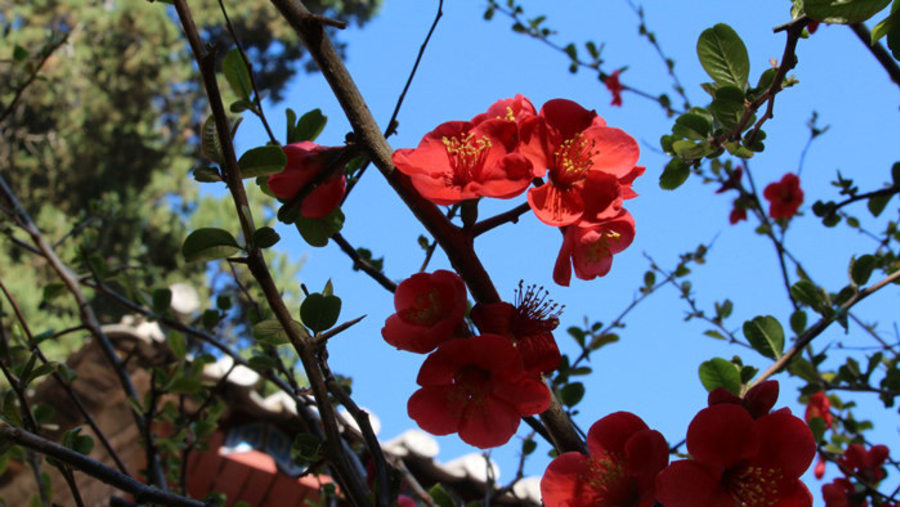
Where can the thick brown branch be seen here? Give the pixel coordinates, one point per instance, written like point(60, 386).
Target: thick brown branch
point(884, 58)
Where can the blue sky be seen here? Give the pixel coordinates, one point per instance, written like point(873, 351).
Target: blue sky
point(652, 371)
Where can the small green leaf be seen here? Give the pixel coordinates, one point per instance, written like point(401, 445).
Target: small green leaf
point(440, 496)
point(308, 127)
point(265, 237)
point(803, 369)
point(691, 150)
point(262, 161)
point(807, 293)
point(691, 126)
point(320, 312)
point(209, 141)
point(798, 321)
point(317, 231)
point(895, 169)
point(817, 426)
point(765, 335)
point(162, 298)
point(270, 331)
point(723, 56)
point(571, 394)
point(675, 173)
point(19, 53)
point(207, 174)
point(843, 12)
point(237, 74)
point(528, 447)
point(51, 291)
point(876, 204)
point(209, 243)
point(718, 372)
point(861, 269)
point(177, 344)
point(886, 25)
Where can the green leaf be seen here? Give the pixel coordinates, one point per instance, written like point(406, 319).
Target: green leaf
point(675, 173)
point(320, 312)
point(718, 372)
point(19, 53)
point(895, 169)
point(270, 331)
point(712, 333)
point(237, 74)
point(317, 231)
point(209, 243)
point(861, 269)
point(308, 127)
point(843, 12)
point(691, 150)
point(51, 291)
point(876, 204)
point(177, 344)
point(798, 321)
point(262, 161)
point(207, 174)
point(691, 126)
point(209, 141)
point(817, 426)
point(162, 299)
point(807, 293)
point(571, 394)
point(723, 56)
point(887, 25)
point(803, 369)
point(265, 237)
point(440, 496)
point(765, 335)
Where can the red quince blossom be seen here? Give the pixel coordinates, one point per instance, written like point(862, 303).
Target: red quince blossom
point(812, 27)
point(305, 161)
point(841, 493)
point(624, 458)
point(589, 247)
point(737, 214)
point(865, 464)
point(733, 181)
point(785, 197)
point(460, 160)
point(517, 109)
point(615, 87)
point(739, 460)
point(529, 324)
point(569, 145)
point(430, 307)
point(478, 388)
point(758, 401)
point(819, 406)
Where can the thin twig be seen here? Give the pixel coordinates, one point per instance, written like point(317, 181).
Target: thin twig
point(46, 53)
point(816, 329)
point(142, 492)
point(362, 264)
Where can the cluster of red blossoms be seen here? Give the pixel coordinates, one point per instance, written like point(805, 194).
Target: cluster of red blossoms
point(741, 454)
point(589, 168)
point(305, 161)
point(866, 466)
point(478, 386)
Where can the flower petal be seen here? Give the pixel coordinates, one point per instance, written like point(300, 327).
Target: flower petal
point(722, 435)
point(687, 483)
point(615, 152)
point(786, 442)
point(562, 484)
point(488, 424)
point(556, 206)
point(434, 410)
point(610, 433)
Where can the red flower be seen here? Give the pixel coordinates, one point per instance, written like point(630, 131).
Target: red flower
point(819, 406)
point(733, 181)
point(430, 307)
point(841, 493)
point(812, 27)
point(865, 464)
point(529, 325)
point(819, 469)
point(738, 460)
point(305, 160)
point(784, 197)
point(460, 160)
point(625, 457)
point(517, 109)
point(758, 401)
point(589, 247)
point(476, 387)
point(572, 143)
point(737, 214)
point(615, 87)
